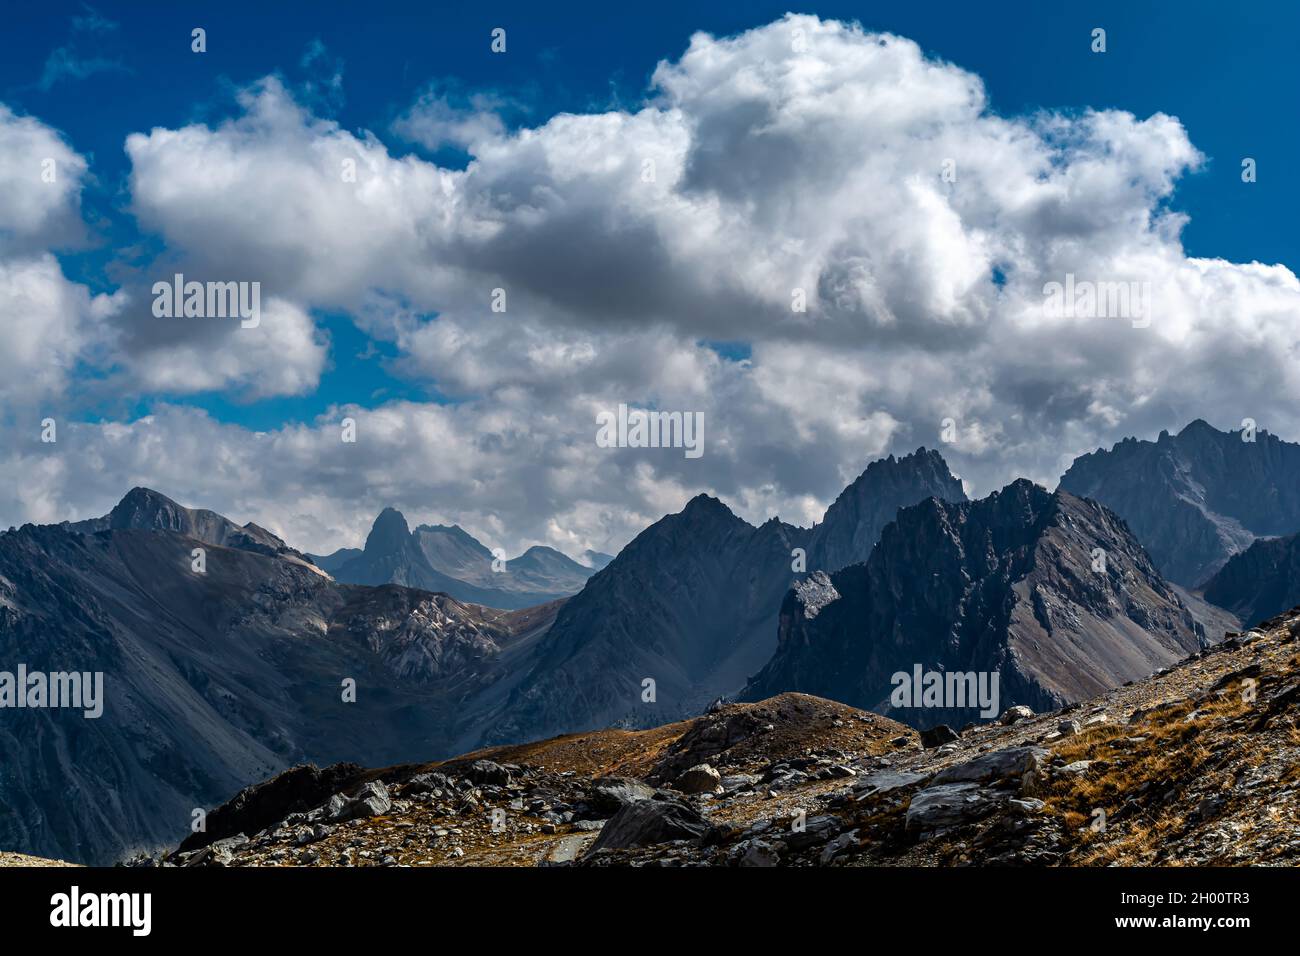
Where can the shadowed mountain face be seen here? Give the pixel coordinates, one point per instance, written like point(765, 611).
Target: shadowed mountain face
point(1003, 585)
point(855, 519)
point(214, 679)
point(449, 559)
point(1196, 498)
point(692, 605)
point(1261, 581)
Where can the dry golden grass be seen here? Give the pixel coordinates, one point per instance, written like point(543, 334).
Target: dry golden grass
point(1172, 753)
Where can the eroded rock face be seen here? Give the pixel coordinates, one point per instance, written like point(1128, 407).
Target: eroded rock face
point(1050, 592)
point(1196, 498)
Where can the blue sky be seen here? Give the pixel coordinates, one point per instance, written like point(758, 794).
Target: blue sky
point(1225, 71)
point(99, 73)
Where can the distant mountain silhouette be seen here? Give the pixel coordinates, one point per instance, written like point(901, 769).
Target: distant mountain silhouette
point(1196, 498)
point(447, 558)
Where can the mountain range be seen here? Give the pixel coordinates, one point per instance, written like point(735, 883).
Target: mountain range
point(448, 559)
point(222, 675)
point(692, 604)
point(1196, 498)
point(1049, 591)
point(213, 677)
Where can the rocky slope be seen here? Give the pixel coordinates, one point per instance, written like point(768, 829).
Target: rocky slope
point(449, 559)
point(212, 679)
point(1005, 585)
point(1194, 765)
point(1196, 498)
point(1261, 581)
point(692, 604)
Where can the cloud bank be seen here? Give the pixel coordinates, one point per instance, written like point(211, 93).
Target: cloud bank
point(804, 163)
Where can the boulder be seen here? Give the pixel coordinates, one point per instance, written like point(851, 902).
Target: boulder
point(1013, 714)
point(646, 822)
point(372, 800)
point(487, 773)
point(699, 779)
point(937, 736)
point(734, 783)
point(610, 794)
point(885, 780)
point(948, 805)
point(1010, 765)
point(755, 853)
point(815, 830)
point(837, 846)
point(426, 783)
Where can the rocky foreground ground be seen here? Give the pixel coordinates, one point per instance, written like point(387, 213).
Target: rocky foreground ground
point(1196, 765)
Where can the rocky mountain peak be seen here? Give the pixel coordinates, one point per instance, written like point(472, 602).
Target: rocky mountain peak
point(1004, 585)
point(704, 507)
point(389, 534)
point(1196, 498)
point(144, 508)
point(855, 519)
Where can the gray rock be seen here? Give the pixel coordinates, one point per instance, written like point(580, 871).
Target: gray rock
point(837, 846)
point(488, 773)
point(1068, 728)
point(699, 779)
point(815, 830)
point(1010, 765)
point(937, 736)
point(611, 794)
point(735, 783)
point(371, 800)
point(1013, 714)
point(886, 780)
point(948, 805)
point(335, 807)
point(755, 853)
point(1026, 805)
point(426, 783)
point(646, 822)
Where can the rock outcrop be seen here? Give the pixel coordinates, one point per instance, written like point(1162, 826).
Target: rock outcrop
point(1049, 592)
